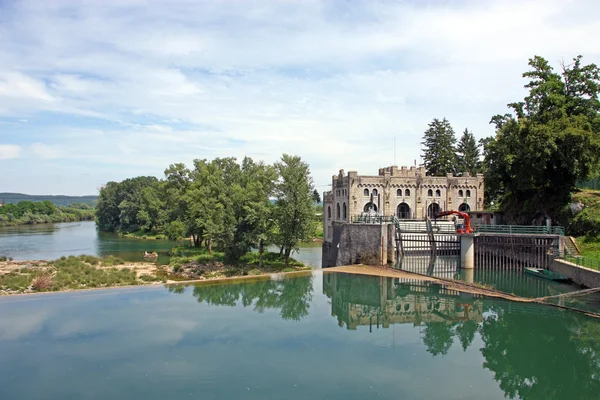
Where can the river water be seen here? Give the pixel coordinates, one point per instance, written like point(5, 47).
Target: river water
point(321, 336)
point(51, 241)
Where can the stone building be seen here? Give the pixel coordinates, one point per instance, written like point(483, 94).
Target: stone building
point(408, 193)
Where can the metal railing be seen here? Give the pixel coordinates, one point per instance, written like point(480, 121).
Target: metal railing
point(520, 229)
point(583, 261)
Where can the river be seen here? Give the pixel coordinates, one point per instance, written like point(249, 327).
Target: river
point(320, 336)
point(51, 241)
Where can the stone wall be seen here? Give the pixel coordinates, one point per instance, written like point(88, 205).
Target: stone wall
point(356, 244)
point(583, 276)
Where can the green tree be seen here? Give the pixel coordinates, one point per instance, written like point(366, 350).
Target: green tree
point(438, 148)
point(316, 196)
point(294, 206)
point(467, 154)
point(552, 141)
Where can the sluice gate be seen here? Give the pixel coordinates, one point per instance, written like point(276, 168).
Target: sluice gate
point(508, 252)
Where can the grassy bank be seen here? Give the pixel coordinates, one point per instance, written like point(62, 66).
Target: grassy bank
point(71, 273)
point(88, 272)
point(589, 246)
point(145, 235)
point(196, 263)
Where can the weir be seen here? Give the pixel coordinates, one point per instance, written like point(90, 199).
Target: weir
point(385, 240)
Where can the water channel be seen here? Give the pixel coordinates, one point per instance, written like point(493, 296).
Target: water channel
point(51, 241)
point(320, 336)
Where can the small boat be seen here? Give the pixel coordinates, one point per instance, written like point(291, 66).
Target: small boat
point(546, 274)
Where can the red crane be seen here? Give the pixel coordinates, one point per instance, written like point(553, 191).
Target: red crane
point(465, 216)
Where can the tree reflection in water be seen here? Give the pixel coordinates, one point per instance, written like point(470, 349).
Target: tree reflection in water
point(290, 295)
point(535, 352)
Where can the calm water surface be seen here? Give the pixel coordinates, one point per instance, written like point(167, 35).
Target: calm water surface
point(51, 241)
point(321, 336)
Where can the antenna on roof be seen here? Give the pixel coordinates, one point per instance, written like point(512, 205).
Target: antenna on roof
point(394, 150)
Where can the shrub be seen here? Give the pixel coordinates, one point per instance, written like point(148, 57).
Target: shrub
point(15, 281)
point(42, 283)
point(149, 278)
point(112, 260)
point(255, 271)
point(3, 258)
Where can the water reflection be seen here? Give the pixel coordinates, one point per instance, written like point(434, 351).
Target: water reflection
point(535, 352)
point(379, 302)
point(440, 266)
point(291, 295)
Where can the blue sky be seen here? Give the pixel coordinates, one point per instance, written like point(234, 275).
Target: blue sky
point(93, 91)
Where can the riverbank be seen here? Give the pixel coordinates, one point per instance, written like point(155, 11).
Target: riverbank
point(88, 272)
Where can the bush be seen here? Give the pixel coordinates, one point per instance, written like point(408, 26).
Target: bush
point(112, 260)
point(255, 271)
point(42, 283)
point(3, 258)
point(149, 278)
point(15, 281)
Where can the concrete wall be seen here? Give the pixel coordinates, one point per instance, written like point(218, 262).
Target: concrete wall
point(583, 276)
point(356, 244)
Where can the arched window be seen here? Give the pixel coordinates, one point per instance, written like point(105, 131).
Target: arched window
point(464, 207)
point(370, 206)
point(438, 193)
point(460, 193)
point(468, 193)
point(399, 192)
point(337, 213)
point(366, 192)
point(344, 213)
point(430, 193)
point(433, 209)
point(328, 212)
point(403, 211)
point(407, 193)
point(374, 192)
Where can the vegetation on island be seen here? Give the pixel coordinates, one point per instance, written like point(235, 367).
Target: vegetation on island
point(72, 273)
point(28, 212)
point(221, 205)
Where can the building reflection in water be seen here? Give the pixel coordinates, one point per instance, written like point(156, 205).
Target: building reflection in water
point(381, 301)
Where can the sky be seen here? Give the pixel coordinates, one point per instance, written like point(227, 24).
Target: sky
point(95, 91)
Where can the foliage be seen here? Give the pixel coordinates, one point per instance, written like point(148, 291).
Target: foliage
point(293, 209)
point(129, 205)
point(550, 143)
point(439, 156)
point(586, 222)
point(28, 212)
point(292, 296)
point(467, 154)
point(316, 196)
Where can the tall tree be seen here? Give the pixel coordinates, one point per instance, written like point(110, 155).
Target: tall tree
point(467, 154)
point(316, 196)
point(294, 207)
point(438, 148)
point(553, 140)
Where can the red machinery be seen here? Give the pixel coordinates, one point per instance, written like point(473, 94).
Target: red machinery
point(467, 228)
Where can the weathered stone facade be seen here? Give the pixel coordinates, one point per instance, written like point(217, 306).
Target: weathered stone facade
point(405, 192)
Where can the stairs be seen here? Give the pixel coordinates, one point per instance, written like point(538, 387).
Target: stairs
point(570, 246)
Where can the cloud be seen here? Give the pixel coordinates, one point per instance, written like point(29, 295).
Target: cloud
point(8, 151)
point(46, 152)
point(143, 84)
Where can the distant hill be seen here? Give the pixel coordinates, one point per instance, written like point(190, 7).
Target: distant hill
point(58, 200)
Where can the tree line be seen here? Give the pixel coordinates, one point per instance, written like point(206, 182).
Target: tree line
point(30, 212)
point(219, 204)
point(540, 150)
